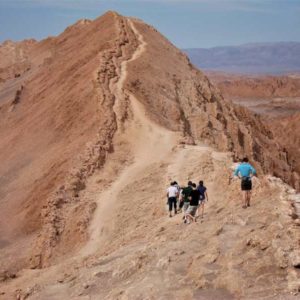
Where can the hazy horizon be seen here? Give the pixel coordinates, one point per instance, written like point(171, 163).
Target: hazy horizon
point(247, 44)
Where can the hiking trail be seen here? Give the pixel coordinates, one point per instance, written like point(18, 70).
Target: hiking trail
point(150, 143)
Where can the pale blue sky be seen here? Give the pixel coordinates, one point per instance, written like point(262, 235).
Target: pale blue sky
point(187, 23)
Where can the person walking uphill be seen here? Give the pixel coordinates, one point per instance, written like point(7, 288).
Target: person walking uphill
point(185, 194)
point(203, 196)
point(172, 194)
point(245, 172)
point(194, 203)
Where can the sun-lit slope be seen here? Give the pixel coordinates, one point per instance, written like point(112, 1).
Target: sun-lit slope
point(180, 97)
point(45, 132)
point(232, 253)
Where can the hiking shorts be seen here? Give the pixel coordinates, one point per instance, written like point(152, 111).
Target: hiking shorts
point(186, 206)
point(191, 210)
point(180, 204)
point(201, 201)
point(246, 184)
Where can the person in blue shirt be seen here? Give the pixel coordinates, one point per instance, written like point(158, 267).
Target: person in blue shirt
point(245, 172)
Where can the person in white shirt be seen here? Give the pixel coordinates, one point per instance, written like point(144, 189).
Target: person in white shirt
point(172, 194)
point(178, 195)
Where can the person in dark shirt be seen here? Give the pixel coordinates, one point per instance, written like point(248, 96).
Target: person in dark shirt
point(203, 196)
point(194, 203)
point(184, 197)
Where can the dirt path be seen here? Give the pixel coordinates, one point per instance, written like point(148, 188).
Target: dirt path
point(149, 143)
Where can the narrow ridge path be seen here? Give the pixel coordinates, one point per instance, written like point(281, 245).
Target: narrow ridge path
point(150, 143)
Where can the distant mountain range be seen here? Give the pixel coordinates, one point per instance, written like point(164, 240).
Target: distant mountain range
point(258, 58)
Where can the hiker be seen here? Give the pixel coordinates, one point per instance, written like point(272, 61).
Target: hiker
point(203, 197)
point(245, 172)
point(177, 186)
point(178, 190)
point(185, 201)
point(194, 202)
point(172, 194)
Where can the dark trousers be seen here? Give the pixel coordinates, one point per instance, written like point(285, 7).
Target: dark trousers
point(172, 202)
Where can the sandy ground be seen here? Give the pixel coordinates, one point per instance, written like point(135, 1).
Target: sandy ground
point(144, 254)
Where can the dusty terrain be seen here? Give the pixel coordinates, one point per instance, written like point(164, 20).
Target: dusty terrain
point(88, 148)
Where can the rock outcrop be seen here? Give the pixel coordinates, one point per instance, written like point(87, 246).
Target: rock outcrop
point(180, 97)
point(266, 87)
point(286, 132)
point(14, 59)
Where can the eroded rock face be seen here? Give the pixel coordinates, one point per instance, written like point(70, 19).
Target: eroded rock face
point(256, 87)
point(286, 133)
point(15, 59)
point(180, 97)
point(276, 100)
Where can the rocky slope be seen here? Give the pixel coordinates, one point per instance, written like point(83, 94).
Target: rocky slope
point(55, 130)
point(14, 59)
point(90, 140)
point(266, 87)
point(186, 100)
point(286, 132)
point(276, 99)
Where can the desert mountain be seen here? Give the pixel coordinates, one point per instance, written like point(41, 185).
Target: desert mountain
point(91, 133)
point(256, 58)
